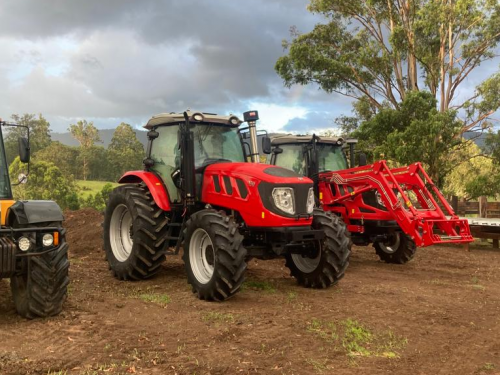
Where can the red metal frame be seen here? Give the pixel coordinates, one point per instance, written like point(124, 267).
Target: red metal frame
point(405, 195)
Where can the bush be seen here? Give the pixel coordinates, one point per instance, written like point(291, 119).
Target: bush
point(45, 182)
point(99, 200)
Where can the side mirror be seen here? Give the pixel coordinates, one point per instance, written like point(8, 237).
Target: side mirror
point(266, 145)
point(362, 159)
point(277, 150)
point(24, 150)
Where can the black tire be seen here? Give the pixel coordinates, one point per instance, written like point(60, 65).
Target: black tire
point(228, 255)
point(39, 289)
point(334, 254)
point(403, 253)
point(148, 232)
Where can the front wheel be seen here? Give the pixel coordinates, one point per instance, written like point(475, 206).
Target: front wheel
point(398, 249)
point(39, 288)
point(331, 258)
point(214, 256)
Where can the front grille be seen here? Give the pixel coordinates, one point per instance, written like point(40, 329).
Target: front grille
point(300, 192)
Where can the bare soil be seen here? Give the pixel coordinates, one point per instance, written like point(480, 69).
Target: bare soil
point(439, 314)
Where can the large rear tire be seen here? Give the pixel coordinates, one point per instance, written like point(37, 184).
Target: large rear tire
point(214, 256)
point(398, 249)
point(135, 231)
point(332, 258)
point(40, 287)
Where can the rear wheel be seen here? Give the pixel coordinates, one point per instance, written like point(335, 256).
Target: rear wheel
point(214, 256)
point(40, 285)
point(398, 249)
point(135, 231)
point(331, 258)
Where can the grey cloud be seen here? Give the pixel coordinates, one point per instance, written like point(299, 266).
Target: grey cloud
point(132, 58)
point(314, 121)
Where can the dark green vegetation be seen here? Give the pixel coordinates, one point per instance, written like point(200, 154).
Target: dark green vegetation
point(55, 167)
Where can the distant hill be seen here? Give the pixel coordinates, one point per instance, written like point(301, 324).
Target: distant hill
point(105, 134)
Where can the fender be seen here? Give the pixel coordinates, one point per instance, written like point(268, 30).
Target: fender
point(32, 212)
point(154, 184)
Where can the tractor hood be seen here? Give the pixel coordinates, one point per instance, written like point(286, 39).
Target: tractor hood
point(264, 195)
point(258, 173)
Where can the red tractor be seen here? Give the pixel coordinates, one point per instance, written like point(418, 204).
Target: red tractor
point(395, 209)
point(197, 192)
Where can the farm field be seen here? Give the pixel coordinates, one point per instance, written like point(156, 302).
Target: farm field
point(89, 187)
point(439, 314)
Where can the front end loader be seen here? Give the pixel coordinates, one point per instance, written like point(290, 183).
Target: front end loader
point(198, 192)
point(396, 209)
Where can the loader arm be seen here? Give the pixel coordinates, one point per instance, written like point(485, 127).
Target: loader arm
point(406, 195)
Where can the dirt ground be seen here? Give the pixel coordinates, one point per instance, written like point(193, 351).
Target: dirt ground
point(439, 314)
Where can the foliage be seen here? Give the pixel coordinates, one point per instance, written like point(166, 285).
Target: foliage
point(125, 151)
point(99, 200)
point(99, 166)
point(474, 176)
point(64, 157)
point(416, 131)
point(87, 135)
point(380, 51)
point(45, 182)
point(39, 134)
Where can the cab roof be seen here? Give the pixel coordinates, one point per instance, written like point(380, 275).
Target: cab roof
point(175, 118)
point(290, 138)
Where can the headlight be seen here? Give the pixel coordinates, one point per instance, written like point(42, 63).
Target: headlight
point(23, 243)
point(47, 239)
point(283, 199)
point(310, 201)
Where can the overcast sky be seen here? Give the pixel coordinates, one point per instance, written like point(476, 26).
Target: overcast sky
point(125, 60)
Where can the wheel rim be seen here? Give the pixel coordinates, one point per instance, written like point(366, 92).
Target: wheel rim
point(305, 264)
point(120, 233)
point(201, 255)
point(392, 245)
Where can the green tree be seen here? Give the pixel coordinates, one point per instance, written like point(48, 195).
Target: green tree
point(416, 131)
point(125, 152)
point(99, 167)
point(64, 157)
point(380, 51)
point(87, 135)
point(46, 182)
point(39, 129)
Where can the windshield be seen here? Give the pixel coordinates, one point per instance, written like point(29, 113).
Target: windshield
point(330, 158)
point(212, 142)
point(292, 158)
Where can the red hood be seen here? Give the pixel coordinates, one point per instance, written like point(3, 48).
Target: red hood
point(262, 172)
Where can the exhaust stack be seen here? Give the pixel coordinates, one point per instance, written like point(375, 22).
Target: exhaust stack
point(251, 118)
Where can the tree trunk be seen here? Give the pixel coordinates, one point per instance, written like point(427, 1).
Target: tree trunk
point(483, 204)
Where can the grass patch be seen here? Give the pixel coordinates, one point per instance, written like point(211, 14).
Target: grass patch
point(291, 297)
point(487, 367)
point(217, 317)
point(264, 286)
point(317, 365)
point(357, 340)
point(161, 299)
point(88, 187)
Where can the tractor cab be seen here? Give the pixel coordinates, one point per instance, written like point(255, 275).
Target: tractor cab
point(308, 154)
point(216, 139)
